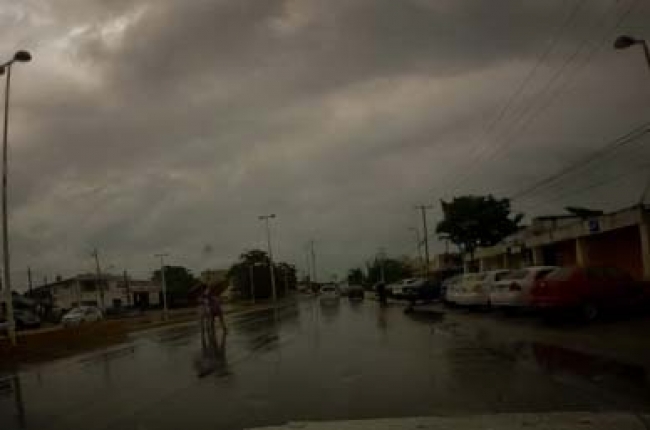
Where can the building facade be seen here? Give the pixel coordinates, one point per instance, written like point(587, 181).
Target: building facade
point(619, 239)
point(107, 292)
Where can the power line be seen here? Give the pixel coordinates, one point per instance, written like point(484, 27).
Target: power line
point(561, 185)
point(623, 140)
point(592, 186)
point(529, 113)
point(557, 93)
point(480, 149)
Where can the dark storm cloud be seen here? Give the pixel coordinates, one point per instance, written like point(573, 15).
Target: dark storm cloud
point(151, 125)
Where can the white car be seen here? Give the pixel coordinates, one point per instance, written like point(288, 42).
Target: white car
point(474, 289)
point(447, 288)
point(513, 290)
point(329, 293)
point(397, 290)
point(82, 314)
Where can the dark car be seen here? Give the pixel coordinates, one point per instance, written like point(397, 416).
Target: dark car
point(420, 290)
point(23, 318)
point(356, 292)
point(587, 291)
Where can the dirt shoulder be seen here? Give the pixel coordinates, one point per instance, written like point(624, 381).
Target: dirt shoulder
point(57, 342)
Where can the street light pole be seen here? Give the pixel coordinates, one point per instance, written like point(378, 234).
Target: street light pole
point(624, 42)
point(164, 284)
point(418, 244)
point(23, 57)
point(423, 210)
point(266, 219)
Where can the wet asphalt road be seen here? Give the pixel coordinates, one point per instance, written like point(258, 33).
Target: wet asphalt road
point(317, 362)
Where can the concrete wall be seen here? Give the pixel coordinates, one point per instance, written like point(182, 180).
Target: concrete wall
point(619, 248)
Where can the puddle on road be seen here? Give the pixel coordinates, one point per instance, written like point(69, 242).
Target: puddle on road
point(594, 369)
point(598, 369)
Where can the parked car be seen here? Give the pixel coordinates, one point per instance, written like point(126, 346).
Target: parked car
point(24, 319)
point(419, 290)
point(344, 289)
point(513, 291)
point(447, 286)
point(588, 291)
point(329, 293)
point(466, 281)
point(80, 315)
point(474, 289)
point(397, 290)
point(356, 292)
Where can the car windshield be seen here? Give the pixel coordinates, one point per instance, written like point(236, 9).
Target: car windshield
point(560, 274)
point(250, 214)
point(516, 274)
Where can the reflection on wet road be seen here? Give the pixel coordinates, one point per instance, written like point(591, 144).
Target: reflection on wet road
point(312, 361)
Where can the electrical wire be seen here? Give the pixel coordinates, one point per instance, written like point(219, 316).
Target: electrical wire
point(613, 145)
point(559, 30)
point(529, 113)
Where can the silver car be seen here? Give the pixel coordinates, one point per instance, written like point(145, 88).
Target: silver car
point(80, 315)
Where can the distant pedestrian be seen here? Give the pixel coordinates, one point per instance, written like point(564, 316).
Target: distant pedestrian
point(382, 293)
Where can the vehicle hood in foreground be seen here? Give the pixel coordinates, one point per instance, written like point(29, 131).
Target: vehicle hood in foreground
point(528, 421)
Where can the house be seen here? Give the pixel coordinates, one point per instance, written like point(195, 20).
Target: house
point(620, 239)
point(107, 292)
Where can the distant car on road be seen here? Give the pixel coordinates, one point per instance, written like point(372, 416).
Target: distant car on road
point(80, 315)
point(474, 289)
point(588, 291)
point(513, 291)
point(356, 292)
point(329, 293)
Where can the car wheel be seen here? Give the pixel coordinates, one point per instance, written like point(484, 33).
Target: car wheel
point(589, 311)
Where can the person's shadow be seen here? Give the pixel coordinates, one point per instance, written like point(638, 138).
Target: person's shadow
point(212, 357)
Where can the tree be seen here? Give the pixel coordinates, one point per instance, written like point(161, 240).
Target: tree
point(355, 276)
point(394, 270)
point(250, 275)
point(178, 281)
point(472, 221)
point(285, 275)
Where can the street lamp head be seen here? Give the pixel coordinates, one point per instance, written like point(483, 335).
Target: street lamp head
point(272, 216)
point(623, 42)
point(22, 56)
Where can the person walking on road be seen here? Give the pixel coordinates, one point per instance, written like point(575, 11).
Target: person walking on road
point(215, 307)
point(382, 293)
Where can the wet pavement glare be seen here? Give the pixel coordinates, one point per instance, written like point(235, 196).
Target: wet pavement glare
point(312, 361)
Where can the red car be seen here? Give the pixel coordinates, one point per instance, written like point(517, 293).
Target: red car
point(589, 290)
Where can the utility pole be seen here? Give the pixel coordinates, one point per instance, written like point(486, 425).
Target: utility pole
point(29, 279)
point(308, 265)
point(98, 277)
point(423, 210)
point(164, 284)
point(286, 282)
point(251, 272)
point(418, 243)
point(382, 260)
point(313, 259)
point(127, 288)
point(266, 219)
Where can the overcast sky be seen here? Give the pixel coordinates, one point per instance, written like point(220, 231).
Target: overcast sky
point(146, 126)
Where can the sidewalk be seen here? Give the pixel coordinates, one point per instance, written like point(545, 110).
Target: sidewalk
point(57, 342)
